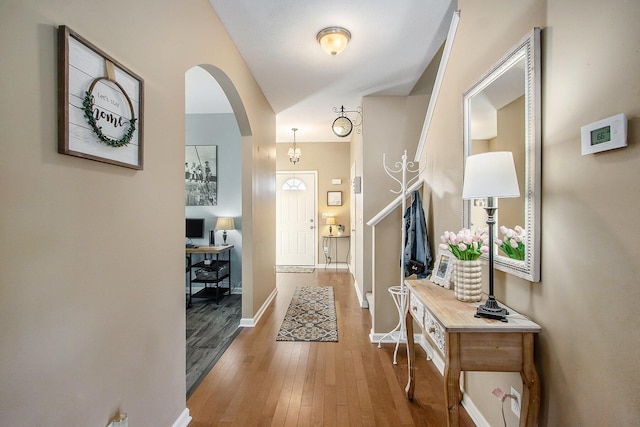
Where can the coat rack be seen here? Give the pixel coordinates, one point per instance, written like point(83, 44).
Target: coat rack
point(399, 293)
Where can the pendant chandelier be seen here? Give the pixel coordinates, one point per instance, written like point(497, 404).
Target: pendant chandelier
point(294, 152)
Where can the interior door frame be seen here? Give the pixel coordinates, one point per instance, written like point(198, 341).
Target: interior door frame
point(315, 202)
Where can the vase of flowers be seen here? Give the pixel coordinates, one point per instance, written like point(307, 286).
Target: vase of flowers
point(467, 246)
point(340, 229)
point(512, 243)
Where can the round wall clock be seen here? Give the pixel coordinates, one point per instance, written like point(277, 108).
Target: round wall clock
point(342, 126)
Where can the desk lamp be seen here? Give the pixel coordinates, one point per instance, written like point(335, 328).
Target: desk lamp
point(225, 224)
point(490, 175)
point(331, 221)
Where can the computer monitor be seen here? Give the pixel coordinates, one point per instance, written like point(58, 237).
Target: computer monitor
point(195, 228)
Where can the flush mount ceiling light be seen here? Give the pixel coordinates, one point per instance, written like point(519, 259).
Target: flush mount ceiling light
point(333, 39)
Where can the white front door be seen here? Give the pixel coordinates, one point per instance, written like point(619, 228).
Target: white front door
point(296, 231)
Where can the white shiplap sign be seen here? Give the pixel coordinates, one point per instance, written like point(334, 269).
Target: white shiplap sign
point(84, 68)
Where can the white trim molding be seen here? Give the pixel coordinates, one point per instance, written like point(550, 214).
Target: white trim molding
point(252, 322)
point(444, 60)
point(183, 420)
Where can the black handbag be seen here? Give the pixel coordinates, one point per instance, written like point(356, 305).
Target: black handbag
point(415, 267)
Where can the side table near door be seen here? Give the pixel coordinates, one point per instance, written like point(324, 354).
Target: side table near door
point(330, 241)
point(210, 271)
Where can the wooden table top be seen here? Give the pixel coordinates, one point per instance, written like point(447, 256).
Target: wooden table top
point(458, 316)
point(208, 249)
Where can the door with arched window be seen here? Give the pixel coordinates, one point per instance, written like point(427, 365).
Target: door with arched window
point(296, 218)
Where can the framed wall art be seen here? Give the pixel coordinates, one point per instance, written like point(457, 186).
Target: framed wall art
point(334, 198)
point(441, 274)
point(201, 175)
point(100, 104)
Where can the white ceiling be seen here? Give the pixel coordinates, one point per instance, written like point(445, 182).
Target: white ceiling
point(392, 43)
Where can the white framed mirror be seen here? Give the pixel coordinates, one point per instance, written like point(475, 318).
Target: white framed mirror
point(501, 112)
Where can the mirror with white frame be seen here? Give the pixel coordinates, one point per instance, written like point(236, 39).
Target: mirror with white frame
point(502, 113)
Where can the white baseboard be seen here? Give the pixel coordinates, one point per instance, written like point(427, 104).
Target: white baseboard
point(389, 339)
point(361, 298)
point(329, 267)
point(473, 412)
point(252, 322)
point(183, 420)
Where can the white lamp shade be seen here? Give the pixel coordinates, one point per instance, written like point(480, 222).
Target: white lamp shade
point(294, 152)
point(225, 224)
point(331, 221)
point(490, 174)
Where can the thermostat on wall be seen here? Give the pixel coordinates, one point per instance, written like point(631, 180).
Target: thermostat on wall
point(605, 134)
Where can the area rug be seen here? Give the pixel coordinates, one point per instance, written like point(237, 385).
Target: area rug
point(293, 269)
point(311, 316)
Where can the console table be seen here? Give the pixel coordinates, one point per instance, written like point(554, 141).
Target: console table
point(210, 271)
point(467, 343)
point(328, 241)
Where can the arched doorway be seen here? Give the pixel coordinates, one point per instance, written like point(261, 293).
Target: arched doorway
point(212, 132)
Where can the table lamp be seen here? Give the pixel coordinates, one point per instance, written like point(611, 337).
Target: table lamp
point(331, 221)
point(225, 224)
point(490, 175)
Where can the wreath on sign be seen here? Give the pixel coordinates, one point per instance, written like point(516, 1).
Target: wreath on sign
point(87, 107)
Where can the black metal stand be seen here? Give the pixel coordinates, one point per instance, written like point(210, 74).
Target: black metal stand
point(490, 308)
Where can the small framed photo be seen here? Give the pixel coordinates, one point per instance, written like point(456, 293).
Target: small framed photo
point(334, 198)
point(441, 274)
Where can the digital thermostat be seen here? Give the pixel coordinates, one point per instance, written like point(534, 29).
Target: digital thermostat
point(605, 134)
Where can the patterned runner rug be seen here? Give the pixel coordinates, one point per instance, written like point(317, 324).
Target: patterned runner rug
point(293, 269)
point(311, 316)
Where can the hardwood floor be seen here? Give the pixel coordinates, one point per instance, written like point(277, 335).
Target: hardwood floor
point(259, 381)
point(211, 327)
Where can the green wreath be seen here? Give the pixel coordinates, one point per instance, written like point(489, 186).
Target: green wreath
point(87, 107)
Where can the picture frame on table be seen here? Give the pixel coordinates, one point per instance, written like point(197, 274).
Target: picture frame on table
point(100, 104)
point(442, 269)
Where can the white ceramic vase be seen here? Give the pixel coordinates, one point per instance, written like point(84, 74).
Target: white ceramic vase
point(468, 280)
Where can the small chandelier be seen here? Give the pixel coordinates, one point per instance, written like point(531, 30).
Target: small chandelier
point(294, 152)
point(333, 39)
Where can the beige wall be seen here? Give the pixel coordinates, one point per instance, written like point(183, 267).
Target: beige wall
point(92, 298)
point(587, 300)
point(330, 160)
point(393, 125)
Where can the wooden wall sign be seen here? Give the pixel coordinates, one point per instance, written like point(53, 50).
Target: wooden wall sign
point(100, 104)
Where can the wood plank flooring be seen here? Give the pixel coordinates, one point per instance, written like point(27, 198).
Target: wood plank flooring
point(211, 327)
point(259, 381)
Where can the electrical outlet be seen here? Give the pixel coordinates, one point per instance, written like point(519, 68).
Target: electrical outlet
point(515, 402)
point(326, 250)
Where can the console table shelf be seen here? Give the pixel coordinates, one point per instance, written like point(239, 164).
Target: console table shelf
point(467, 343)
